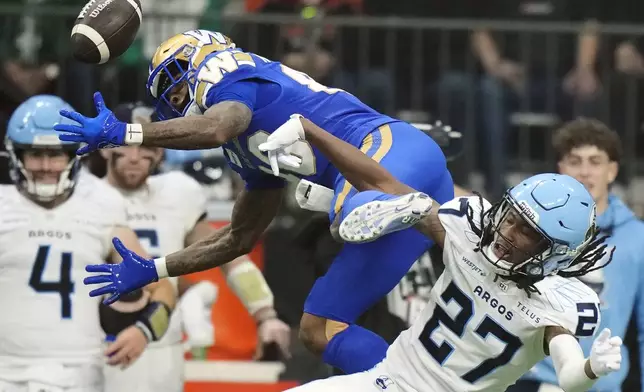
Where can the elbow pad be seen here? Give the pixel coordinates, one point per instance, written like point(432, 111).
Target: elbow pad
point(154, 320)
point(248, 283)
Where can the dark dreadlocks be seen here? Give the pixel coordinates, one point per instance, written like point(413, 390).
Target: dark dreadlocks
point(586, 261)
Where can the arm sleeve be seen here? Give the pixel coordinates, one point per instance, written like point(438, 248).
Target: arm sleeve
point(569, 362)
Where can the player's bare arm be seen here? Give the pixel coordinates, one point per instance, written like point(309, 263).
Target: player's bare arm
point(219, 124)
point(253, 212)
point(243, 277)
point(161, 291)
point(366, 174)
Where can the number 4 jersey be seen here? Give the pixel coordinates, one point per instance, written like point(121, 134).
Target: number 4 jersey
point(274, 92)
point(480, 333)
point(48, 314)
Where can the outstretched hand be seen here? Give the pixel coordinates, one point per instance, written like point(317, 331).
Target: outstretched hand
point(134, 272)
point(102, 131)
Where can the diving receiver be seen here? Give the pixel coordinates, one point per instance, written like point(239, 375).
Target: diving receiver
point(54, 221)
point(213, 94)
point(509, 295)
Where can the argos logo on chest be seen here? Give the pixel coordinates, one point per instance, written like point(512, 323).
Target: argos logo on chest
point(51, 234)
point(493, 302)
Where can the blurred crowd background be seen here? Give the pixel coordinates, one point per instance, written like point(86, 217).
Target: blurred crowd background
point(503, 73)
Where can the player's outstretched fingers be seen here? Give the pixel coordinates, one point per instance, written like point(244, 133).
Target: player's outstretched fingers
point(118, 245)
point(264, 147)
point(272, 158)
point(70, 137)
point(113, 298)
point(74, 116)
point(289, 160)
point(99, 102)
point(615, 341)
point(97, 279)
point(99, 268)
point(84, 150)
point(109, 289)
point(603, 335)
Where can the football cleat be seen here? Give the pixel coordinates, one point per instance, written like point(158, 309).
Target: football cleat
point(372, 220)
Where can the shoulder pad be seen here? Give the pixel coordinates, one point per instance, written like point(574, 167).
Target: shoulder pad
point(222, 68)
point(568, 303)
point(463, 215)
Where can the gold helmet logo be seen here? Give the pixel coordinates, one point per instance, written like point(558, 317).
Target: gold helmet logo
point(192, 47)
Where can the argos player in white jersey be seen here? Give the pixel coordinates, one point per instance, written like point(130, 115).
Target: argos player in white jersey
point(50, 337)
point(168, 212)
point(507, 297)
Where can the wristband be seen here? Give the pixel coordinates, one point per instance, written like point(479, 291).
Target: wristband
point(154, 320)
point(133, 134)
point(161, 268)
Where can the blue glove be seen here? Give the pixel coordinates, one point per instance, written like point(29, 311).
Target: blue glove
point(134, 272)
point(102, 131)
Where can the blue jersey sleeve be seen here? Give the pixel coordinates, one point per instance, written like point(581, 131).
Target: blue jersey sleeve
point(244, 91)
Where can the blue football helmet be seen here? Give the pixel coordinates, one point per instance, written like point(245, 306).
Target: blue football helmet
point(176, 62)
point(31, 127)
point(554, 213)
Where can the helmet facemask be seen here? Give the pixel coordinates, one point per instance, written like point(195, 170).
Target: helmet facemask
point(167, 78)
point(514, 244)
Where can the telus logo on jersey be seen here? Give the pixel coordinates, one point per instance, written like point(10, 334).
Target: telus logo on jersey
point(528, 312)
point(493, 302)
point(57, 234)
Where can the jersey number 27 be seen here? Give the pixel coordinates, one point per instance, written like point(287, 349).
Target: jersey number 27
point(457, 325)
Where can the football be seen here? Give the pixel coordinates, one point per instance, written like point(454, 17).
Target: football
point(105, 29)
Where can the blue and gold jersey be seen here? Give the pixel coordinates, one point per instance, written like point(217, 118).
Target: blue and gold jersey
point(274, 92)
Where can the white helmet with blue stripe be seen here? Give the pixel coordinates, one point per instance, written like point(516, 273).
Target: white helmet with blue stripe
point(31, 127)
point(541, 227)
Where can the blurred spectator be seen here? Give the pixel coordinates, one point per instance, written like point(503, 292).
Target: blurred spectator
point(342, 57)
point(626, 81)
point(590, 151)
point(29, 51)
point(529, 72)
